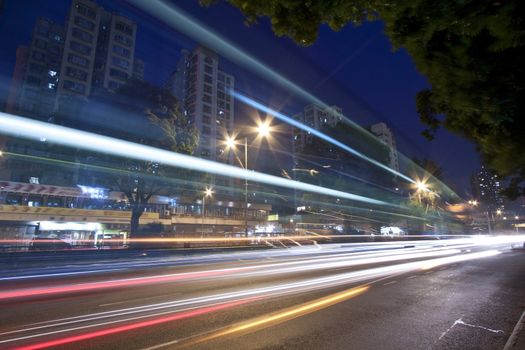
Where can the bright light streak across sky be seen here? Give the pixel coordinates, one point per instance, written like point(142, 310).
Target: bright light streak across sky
point(176, 18)
point(315, 132)
point(36, 130)
point(182, 22)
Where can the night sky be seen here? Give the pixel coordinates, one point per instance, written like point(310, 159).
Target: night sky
point(355, 68)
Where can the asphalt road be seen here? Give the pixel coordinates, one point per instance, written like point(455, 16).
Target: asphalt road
point(462, 295)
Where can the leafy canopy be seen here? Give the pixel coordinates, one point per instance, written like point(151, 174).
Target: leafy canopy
point(471, 51)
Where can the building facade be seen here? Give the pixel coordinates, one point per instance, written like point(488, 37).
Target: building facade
point(38, 84)
point(203, 91)
point(93, 52)
point(114, 60)
point(384, 133)
point(78, 61)
point(486, 188)
point(315, 117)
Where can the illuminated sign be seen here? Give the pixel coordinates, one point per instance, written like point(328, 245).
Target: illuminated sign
point(273, 217)
point(94, 192)
point(391, 230)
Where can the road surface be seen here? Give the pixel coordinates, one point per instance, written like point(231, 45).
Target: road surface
point(457, 294)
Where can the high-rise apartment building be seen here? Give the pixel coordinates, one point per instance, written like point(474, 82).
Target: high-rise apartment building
point(382, 131)
point(203, 91)
point(93, 52)
point(99, 50)
point(315, 117)
point(78, 62)
point(114, 60)
point(37, 85)
point(486, 188)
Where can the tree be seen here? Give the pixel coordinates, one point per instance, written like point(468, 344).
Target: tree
point(470, 51)
point(161, 109)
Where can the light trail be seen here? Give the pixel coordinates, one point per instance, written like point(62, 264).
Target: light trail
point(451, 239)
point(255, 293)
point(133, 326)
point(315, 132)
point(128, 282)
point(287, 314)
point(343, 249)
point(306, 308)
point(184, 23)
point(36, 130)
point(176, 18)
point(311, 264)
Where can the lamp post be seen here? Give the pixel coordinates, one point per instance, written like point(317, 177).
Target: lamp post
point(263, 130)
point(474, 203)
point(208, 192)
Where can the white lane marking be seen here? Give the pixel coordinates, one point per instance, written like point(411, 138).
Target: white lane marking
point(388, 283)
point(461, 322)
point(410, 277)
point(161, 345)
point(481, 327)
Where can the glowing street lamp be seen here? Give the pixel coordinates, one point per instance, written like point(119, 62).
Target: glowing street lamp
point(263, 129)
point(421, 186)
point(498, 212)
point(423, 191)
point(208, 192)
point(230, 142)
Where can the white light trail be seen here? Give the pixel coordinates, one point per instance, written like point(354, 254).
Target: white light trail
point(315, 132)
point(32, 129)
point(264, 292)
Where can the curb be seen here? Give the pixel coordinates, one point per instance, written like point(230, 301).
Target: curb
point(516, 334)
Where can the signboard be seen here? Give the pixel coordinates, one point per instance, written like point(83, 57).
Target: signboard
point(273, 217)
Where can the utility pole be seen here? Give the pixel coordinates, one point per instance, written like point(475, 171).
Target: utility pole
point(488, 223)
point(246, 186)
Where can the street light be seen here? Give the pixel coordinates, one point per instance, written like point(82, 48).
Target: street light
point(208, 192)
point(421, 186)
point(423, 191)
point(263, 129)
point(498, 212)
point(230, 142)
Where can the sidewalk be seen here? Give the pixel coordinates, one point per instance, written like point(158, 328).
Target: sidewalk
point(516, 340)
